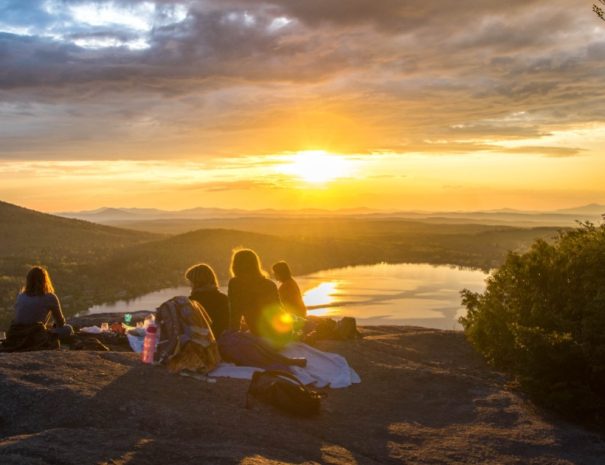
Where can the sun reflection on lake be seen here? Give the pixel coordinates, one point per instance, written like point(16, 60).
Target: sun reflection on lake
point(320, 295)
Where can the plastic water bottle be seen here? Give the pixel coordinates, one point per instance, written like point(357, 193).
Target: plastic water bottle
point(127, 319)
point(149, 320)
point(149, 344)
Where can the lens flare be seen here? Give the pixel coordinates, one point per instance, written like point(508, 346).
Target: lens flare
point(282, 323)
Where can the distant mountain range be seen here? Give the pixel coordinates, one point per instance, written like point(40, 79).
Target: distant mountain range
point(140, 217)
point(590, 209)
point(106, 214)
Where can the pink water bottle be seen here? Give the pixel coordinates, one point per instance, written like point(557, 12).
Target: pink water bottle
point(149, 344)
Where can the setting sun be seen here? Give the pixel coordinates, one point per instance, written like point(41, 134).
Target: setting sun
point(317, 166)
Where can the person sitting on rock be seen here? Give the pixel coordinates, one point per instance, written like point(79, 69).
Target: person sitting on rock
point(289, 292)
point(253, 296)
point(204, 290)
point(35, 305)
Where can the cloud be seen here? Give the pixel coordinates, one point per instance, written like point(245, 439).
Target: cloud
point(224, 186)
point(554, 152)
point(170, 79)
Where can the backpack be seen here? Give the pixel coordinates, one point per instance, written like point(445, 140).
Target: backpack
point(347, 328)
point(285, 392)
point(320, 328)
point(186, 339)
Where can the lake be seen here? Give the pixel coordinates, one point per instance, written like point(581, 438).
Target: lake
point(382, 294)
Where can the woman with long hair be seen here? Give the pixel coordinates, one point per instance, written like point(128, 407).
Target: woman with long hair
point(289, 292)
point(254, 297)
point(204, 290)
point(37, 302)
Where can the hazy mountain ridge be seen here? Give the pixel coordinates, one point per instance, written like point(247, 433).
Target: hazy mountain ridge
point(106, 214)
point(157, 220)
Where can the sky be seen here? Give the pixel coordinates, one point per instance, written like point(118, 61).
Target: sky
point(389, 104)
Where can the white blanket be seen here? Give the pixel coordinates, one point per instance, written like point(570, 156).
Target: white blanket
point(323, 369)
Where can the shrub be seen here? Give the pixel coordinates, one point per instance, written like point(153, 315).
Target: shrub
point(542, 318)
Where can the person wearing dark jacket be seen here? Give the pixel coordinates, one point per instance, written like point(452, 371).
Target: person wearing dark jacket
point(204, 290)
point(254, 297)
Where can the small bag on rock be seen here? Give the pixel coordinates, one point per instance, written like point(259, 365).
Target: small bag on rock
point(285, 392)
point(347, 329)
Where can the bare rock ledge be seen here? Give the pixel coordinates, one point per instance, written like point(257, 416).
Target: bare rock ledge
point(425, 398)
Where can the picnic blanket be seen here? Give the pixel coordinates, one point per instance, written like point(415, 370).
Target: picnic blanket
point(324, 369)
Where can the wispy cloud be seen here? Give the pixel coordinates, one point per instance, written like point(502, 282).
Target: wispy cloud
point(124, 89)
point(555, 152)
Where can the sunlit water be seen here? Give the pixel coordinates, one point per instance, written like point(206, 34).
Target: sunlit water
point(382, 294)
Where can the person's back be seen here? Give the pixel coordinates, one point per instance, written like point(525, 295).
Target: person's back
point(256, 299)
point(32, 309)
point(291, 298)
point(216, 305)
point(37, 302)
point(204, 290)
point(289, 292)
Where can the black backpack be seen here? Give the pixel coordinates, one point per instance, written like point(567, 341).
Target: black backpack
point(285, 392)
point(346, 329)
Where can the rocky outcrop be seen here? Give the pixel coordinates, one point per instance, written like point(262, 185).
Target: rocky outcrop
point(425, 398)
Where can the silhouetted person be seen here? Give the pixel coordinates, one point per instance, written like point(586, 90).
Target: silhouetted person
point(37, 302)
point(204, 290)
point(255, 297)
point(289, 292)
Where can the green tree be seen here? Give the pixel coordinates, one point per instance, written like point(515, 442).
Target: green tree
point(542, 318)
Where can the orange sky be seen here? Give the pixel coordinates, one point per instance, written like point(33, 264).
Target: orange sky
point(284, 104)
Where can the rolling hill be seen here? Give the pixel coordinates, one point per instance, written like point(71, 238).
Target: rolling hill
point(28, 233)
point(64, 245)
point(162, 263)
point(181, 221)
point(92, 264)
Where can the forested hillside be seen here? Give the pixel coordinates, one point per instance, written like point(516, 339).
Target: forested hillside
point(92, 264)
point(66, 246)
point(25, 232)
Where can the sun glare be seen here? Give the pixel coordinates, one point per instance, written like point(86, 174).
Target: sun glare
point(322, 294)
point(317, 166)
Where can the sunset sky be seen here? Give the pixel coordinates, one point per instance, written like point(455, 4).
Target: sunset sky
point(388, 104)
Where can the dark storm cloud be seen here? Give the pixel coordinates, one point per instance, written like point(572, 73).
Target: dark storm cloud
point(420, 71)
